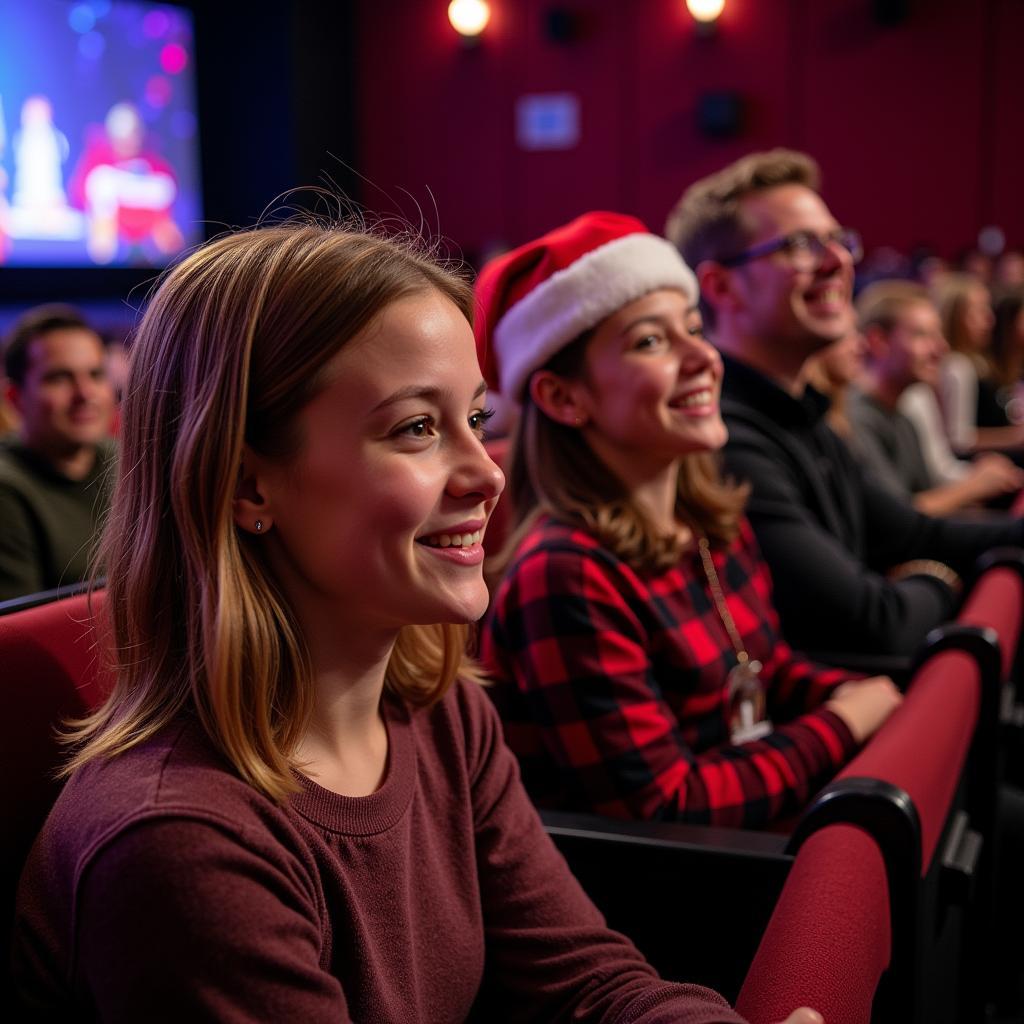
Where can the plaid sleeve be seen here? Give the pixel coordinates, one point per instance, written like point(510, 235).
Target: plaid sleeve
point(566, 628)
point(798, 685)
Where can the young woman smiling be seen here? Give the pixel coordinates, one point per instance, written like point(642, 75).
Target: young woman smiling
point(639, 663)
point(296, 805)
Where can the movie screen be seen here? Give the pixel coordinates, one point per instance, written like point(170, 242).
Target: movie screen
point(99, 153)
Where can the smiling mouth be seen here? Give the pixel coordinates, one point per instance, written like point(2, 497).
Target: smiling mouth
point(828, 295)
point(694, 400)
point(451, 540)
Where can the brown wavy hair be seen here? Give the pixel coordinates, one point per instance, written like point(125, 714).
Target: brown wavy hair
point(552, 470)
point(231, 347)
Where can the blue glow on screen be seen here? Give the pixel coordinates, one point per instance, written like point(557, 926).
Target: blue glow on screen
point(99, 147)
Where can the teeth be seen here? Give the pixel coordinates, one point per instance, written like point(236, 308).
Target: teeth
point(697, 398)
point(452, 540)
point(829, 295)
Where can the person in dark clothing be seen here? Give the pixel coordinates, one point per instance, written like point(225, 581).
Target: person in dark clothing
point(55, 472)
point(855, 569)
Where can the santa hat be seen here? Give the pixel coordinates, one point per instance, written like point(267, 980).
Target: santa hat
point(536, 299)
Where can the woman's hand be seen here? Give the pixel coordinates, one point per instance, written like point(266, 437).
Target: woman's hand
point(865, 704)
point(805, 1015)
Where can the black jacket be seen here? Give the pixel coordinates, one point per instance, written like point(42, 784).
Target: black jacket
point(829, 533)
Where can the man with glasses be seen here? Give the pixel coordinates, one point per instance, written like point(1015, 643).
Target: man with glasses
point(855, 569)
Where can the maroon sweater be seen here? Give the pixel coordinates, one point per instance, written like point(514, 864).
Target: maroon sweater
point(164, 888)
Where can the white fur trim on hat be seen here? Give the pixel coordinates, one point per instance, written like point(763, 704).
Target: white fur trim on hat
point(579, 297)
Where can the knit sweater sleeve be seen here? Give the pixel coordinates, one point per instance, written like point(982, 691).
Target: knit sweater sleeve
point(550, 955)
point(192, 920)
point(564, 632)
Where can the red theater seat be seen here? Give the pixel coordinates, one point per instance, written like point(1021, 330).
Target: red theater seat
point(925, 789)
point(997, 601)
point(51, 671)
point(828, 941)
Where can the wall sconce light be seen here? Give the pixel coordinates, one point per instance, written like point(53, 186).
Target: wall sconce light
point(706, 14)
point(469, 17)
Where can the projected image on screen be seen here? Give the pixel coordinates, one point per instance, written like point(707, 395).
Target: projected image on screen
point(99, 158)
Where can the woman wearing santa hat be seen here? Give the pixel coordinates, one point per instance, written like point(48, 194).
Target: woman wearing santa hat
point(640, 666)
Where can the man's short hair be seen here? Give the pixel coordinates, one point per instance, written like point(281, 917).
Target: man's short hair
point(881, 303)
point(706, 225)
point(33, 324)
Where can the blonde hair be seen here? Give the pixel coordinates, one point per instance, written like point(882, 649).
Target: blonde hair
point(552, 470)
point(881, 303)
point(232, 346)
point(950, 295)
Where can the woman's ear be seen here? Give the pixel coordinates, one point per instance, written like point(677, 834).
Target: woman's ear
point(558, 398)
point(250, 508)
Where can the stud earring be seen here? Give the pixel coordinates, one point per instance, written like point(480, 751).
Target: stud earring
point(259, 525)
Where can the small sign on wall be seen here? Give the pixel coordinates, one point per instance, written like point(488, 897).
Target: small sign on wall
point(549, 120)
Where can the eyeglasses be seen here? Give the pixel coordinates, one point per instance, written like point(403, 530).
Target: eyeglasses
point(805, 249)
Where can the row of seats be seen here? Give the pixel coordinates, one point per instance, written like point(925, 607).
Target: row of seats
point(882, 887)
point(877, 905)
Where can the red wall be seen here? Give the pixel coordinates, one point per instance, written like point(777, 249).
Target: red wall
point(919, 128)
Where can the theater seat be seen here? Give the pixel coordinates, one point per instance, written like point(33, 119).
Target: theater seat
point(51, 671)
point(925, 789)
point(695, 899)
point(828, 941)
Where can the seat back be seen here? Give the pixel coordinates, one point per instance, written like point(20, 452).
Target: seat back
point(51, 669)
point(910, 789)
point(648, 878)
point(828, 941)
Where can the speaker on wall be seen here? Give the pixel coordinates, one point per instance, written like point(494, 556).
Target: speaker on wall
point(720, 114)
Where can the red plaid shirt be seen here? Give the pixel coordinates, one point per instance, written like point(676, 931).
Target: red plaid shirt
point(612, 685)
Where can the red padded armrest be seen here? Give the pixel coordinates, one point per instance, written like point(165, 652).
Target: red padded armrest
point(828, 941)
point(923, 747)
point(997, 601)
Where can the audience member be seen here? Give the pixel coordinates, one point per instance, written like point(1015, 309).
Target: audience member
point(1009, 272)
point(1007, 356)
point(633, 638)
point(855, 569)
point(296, 805)
point(54, 485)
point(833, 371)
point(975, 418)
point(905, 347)
point(974, 263)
